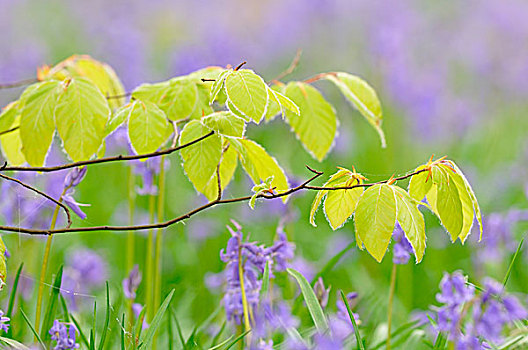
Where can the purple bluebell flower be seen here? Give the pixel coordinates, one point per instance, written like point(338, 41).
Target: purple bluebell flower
point(4, 322)
point(72, 179)
point(401, 249)
point(64, 336)
point(321, 292)
point(131, 283)
point(327, 342)
point(73, 205)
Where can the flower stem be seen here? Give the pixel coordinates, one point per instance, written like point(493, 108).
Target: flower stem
point(391, 300)
point(45, 263)
point(131, 234)
point(159, 239)
point(149, 264)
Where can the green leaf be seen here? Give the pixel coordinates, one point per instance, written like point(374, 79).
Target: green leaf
point(3, 265)
point(32, 328)
point(446, 202)
point(117, 118)
point(353, 320)
point(236, 112)
point(259, 165)
point(201, 159)
point(8, 115)
point(468, 212)
point(37, 124)
point(420, 184)
point(218, 85)
point(311, 301)
point(228, 165)
point(472, 195)
point(13, 344)
point(225, 123)
point(149, 336)
point(147, 127)
point(411, 221)
point(317, 123)
point(202, 106)
point(12, 145)
point(375, 218)
point(81, 115)
point(248, 93)
point(335, 178)
point(279, 101)
point(259, 189)
point(363, 97)
point(180, 99)
point(151, 92)
point(339, 205)
point(107, 319)
point(49, 316)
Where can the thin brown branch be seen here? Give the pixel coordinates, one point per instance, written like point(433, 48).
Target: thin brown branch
point(18, 83)
point(292, 66)
point(304, 186)
point(239, 66)
point(9, 130)
point(118, 158)
point(48, 197)
point(318, 77)
point(116, 97)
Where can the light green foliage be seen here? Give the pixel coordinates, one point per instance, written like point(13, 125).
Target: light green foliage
point(3, 266)
point(228, 165)
point(37, 124)
point(278, 100)
point(201, 159)
point(261, 188)
point(317, 123)
point(411, 221)
point(12, 145)
point(8, 115)
point(100, 74)
point(147, 127)
point(362, 96)
point(81, 115)
point(375, 218)
point(236, 112)
point(225, 123)
point(450, 196)
point(339, 205)
point(218, 85)
point(248, 93)
point(260, 165)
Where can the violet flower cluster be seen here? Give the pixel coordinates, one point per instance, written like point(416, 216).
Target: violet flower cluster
point(64, 336)
point(252, 259)
point(473, 320)
point(4, 322)
point(72, 179)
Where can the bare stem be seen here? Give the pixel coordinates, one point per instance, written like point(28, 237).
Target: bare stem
point(391, 300)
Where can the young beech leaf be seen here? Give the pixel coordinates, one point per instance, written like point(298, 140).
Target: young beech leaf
point(228, 165)
point(180, 99)
point(362, 96)
point(37, 124)
point(225, 123)
point(147, 127)
point(259, 189)
point(471, 194)
point(375, 218)
point(236, 112)
point(279, 101)
point(151, 92)
point(248, 93)
point(118, 117)
point(218, 85)
point(420, 184)
point(447, 203)
point(202, 106)
point(201, 159)
point(80, 116)
point(334, 179)
point(339, 205)
point(100, 74)
point(12, 145)
point(259, 165)
point(411, 221)
point(317, 123)
point(8, 115)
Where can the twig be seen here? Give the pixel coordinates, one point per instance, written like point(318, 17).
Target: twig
point(108, 159)
point(292, 66)
point(126, 94)
point(239, 66)
point(18, 83)
point(318, 77)
point(9, 130)
point(31, 188)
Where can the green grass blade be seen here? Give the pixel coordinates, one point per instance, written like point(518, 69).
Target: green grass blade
point(12, 297)
point(265, 281)
point(396, 333)
point(37, 336)
point(236, 340)
point(13, 344)
point(440, 342)
point(508, 272)
point(311, 301)
point(52, 306)
point(123, 332)
point(64, 308)
point(221, 344)
point(149, 336)
point(107, 319)
point(138, 327)
point(351, 315)
point(218, 335)
point(169, 327)
point(81, 333)
point(92, 340)
point(180, 333)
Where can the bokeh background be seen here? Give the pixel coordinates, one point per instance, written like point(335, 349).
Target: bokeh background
point(452, 78)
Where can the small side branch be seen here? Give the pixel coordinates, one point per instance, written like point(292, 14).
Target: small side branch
point(291, 67)
point(18, 83)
